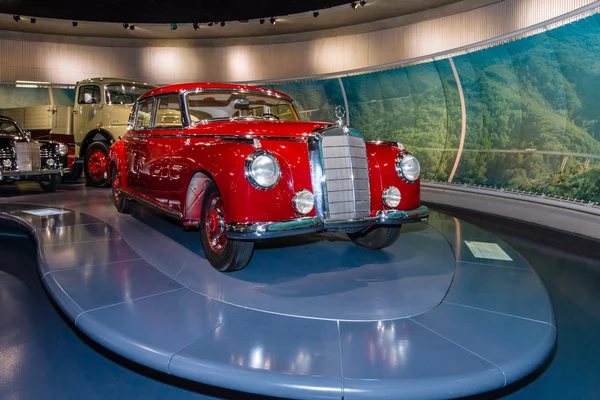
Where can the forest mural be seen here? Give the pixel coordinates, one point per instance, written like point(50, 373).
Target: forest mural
point(533, 111)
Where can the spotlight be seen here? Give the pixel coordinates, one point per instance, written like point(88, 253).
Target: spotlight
point(273, 20)
point(17, 17)
point(196, 26)
point(354, 5)
point(126, 25)
point(132, 27)
point(75, 23)
point(262, 21)
point(32, 20)
point(210, 24)
point(223, 23)
point(173, 27)
point(363, 3)
point(316, 14)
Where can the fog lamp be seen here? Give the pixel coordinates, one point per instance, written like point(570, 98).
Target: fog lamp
point(303, 202)
point(50, 162)
point(391, 197)
point(6, 163)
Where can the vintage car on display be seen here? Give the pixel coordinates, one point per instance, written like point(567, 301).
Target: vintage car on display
point(22, 158)
point(237, 162)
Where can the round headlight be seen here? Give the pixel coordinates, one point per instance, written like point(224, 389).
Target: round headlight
point(63, 149)
point(408, 167)
point(391, 197)
point(6, 163)
point(303, 202)
point(50, 162)
point(262, 170)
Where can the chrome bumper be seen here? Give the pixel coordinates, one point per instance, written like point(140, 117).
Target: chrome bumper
point(16, 174)
point(300, 226)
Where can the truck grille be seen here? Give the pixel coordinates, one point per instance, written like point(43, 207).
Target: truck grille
point(343, 174)
point(28, 156)
point(5, 153)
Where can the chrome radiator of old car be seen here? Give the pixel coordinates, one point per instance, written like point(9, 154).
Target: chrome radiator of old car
point(340, 174)
point(28, 156)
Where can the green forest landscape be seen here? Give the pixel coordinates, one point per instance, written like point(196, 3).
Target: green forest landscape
point(533, 111)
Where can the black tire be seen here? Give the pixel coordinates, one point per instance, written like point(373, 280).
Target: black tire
point(235, 254)
point(376, 238)
point(51, 184)
point(76, 173)
point(121, 202)
point(93, 175)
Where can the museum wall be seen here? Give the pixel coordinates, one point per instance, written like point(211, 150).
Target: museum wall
point(532, 111)
point(58, 59)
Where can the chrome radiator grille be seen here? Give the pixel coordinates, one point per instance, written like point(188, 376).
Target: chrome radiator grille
point(28, 156)
point(344, 176)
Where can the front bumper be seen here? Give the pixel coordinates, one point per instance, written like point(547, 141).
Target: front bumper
point(300, 226)
point(18, 174)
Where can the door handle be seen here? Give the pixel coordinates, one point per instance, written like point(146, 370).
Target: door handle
point(75, 112)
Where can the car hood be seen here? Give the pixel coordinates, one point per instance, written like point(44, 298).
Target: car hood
point(291, 129)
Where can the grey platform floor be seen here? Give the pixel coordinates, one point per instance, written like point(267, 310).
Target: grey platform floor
point(314, 317)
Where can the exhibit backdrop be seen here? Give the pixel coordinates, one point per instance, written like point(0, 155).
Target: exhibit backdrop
point(532, 111)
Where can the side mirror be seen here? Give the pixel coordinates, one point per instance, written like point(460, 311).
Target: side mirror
point(241, 104)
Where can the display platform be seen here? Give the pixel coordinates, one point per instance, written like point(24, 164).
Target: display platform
point(448, 311)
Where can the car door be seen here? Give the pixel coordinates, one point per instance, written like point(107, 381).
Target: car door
point(86, 113)
point(136, 146)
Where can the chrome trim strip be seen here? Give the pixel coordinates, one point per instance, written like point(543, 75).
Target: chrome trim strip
point(170, 213)
point(9, 174)
point(299, 226)
point(234, 137)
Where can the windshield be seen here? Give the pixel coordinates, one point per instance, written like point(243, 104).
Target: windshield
point(9, 128)
point(226, 105)
point(124, 93)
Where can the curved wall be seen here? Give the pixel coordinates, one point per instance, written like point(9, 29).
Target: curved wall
point(169, 62)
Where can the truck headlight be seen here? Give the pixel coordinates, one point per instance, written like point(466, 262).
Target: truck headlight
point(408, 167)
point(50, 162)
point(63, 149)
point(6, 163)
point(391, 197)
point(303, 202)
point(262, 170)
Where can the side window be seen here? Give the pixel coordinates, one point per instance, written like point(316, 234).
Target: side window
point(89, 95)
point(168, 112)
point(144, 114)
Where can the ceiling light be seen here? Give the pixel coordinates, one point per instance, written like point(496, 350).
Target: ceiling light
point(210, 24)
point(316, 14)
point(196, 26)
point(363, 3)
point(32, 20)
point(354, 5)
point(262, 21)
point(222, 23)
point(132, 27)
point(273, 20)
point(17, 17)
point(173, 27)
point(75, 23)
point(126, 25)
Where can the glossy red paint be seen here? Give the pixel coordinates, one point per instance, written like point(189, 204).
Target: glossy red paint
point(182, 87)
point(157, 165)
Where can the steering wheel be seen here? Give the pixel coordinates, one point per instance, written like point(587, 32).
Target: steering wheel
point(270, 115)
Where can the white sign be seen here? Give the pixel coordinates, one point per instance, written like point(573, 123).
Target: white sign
point(44, 212)
point(491, 251)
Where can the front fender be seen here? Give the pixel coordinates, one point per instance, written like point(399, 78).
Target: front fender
point(223, 161)
point(116, 155)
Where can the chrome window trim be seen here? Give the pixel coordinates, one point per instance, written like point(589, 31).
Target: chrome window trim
point(157, 98)
point(248, 165)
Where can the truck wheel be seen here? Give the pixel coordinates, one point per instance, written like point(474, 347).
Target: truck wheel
point(376, 238)
point(122, 203)
point(74, 176)
point(225, 255)
point(51, 183)
point(95, 165)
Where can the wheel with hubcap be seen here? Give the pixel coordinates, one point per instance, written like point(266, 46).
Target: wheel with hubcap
point(51, 183)
point(96, 165)
point(122, 203)
point(225, 255)
point(376, 237)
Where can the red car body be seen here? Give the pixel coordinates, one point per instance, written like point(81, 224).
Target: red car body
point(170, 167)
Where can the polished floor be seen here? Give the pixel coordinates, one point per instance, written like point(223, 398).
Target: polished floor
point(45, 354)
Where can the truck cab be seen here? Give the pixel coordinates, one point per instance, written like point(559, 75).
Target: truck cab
point(100, 116)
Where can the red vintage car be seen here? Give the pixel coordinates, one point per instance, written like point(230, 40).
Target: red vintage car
point(237, 162)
